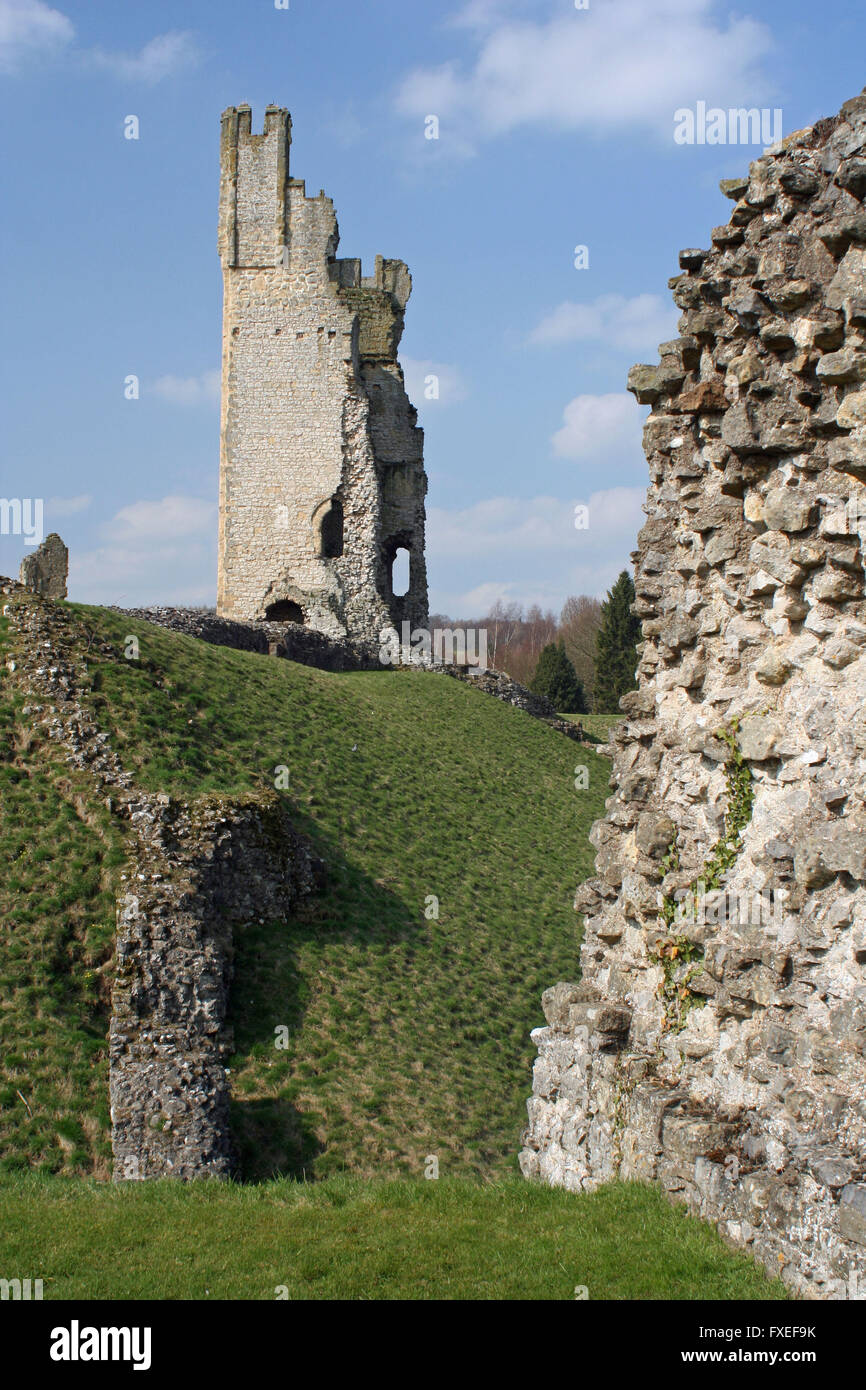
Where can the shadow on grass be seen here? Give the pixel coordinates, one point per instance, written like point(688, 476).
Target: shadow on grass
point(273, 1140)
point(268, 1002)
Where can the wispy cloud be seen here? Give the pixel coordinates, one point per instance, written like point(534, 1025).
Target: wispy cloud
point(151, 552)
point(620, 65)
point(67, 506)
point(203, 389)
point(163, 56)
point(485, 14)
point(345, 126)
point(30, 29)
point(531, 548)
point(600, 429)
point(537, 525)
point(635, 324)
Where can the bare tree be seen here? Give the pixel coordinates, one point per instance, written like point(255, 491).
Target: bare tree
point(579, 622)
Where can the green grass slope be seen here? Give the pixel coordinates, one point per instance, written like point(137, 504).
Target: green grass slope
point(350, 1239)
point(407, 1033)
point(59, 857)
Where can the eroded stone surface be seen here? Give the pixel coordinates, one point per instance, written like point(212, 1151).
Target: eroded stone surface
point(724, 1055)
point(199, 874)
point(46, 570)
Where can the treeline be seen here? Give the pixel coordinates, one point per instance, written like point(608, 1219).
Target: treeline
point(583, 659)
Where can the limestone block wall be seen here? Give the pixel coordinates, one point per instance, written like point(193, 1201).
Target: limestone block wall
point(716, 1041)
point(316, 424)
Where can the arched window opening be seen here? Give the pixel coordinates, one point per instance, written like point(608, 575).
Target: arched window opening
point(400, 573)
point(331, 531)
point(284, 612)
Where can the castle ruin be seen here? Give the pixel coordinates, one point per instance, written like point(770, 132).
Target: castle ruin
point(716, 1041)
point(322, 479)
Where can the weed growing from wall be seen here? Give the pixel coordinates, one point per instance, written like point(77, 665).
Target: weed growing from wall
point(680, 957)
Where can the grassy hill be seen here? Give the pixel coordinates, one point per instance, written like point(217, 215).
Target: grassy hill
point(60, 854)
point(408, 1033)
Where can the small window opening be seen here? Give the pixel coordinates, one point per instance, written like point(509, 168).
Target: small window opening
point(331, 531)
point(400, 573)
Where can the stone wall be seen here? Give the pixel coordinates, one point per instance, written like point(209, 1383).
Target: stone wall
point(321, 475)
point(289, 640)
point(46, 570)
point(197, 873)
point(716, 1043)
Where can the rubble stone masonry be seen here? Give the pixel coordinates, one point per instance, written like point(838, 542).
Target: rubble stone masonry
point(716, 1041)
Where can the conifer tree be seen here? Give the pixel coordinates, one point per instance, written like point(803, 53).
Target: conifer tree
point(616, 654)
point(556, 678)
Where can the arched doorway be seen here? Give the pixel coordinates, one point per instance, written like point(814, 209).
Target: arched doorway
point(284, 611)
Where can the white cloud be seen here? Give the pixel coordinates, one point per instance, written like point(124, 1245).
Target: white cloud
point(151, 552)
point(509, 524)
point(163, 56)
point(600, 428)
point(634, 324)
point(515, 525)
point(30, 28)
point(534, 542)
point(481, 599)
point(619, 65)
point(166, 520)
point(189, 390)
point(68, 506)
point(417, 372)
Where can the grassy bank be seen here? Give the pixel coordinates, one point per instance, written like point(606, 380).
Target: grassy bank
point(350, 1239)
point(453, 837)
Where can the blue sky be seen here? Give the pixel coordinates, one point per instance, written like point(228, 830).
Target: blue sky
point(555, 130)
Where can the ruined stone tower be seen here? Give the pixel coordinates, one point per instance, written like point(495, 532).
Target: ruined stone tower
point(322, 478)
point(716, 1041)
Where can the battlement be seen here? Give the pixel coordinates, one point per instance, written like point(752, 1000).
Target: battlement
point(386, 291)
point(266, 214)
point(237, 124)
point(254, 178)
